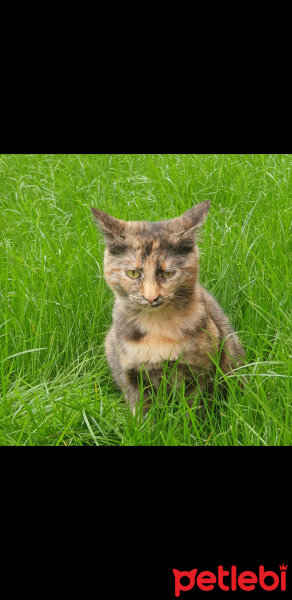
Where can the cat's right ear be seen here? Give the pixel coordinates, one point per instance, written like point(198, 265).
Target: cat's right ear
point(113, 229)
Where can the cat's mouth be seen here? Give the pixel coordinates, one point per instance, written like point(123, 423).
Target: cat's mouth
point(154, 305)
point(148, 305)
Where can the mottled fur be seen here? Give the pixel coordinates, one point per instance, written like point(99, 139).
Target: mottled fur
point(157, 319)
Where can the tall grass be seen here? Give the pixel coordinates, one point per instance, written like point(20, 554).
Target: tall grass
point(55, 307)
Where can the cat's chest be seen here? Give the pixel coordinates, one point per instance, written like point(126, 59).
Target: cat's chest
point(149, 339)
point(152, 349)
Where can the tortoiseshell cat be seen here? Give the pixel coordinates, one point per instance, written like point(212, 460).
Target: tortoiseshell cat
point(161, 312)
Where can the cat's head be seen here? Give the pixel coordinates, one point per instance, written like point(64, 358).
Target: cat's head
point(151, 264)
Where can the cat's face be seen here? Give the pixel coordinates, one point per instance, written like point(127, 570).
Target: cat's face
point(151, 264)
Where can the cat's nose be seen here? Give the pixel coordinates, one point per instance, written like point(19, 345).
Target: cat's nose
point(152, 299)
point(150, 291)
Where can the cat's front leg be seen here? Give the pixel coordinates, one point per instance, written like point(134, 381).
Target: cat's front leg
point(132, 391)
point(132, 400)
point(200, 397)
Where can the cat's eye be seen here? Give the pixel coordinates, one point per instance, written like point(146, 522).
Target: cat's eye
point(167, 274)
point(133, 273)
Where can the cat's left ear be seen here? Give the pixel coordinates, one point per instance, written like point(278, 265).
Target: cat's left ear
point(195, 217)
point(190, 222)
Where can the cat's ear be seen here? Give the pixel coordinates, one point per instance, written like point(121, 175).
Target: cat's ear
point(113, 229)
point(195, 217)
point(106, 223)
point(190, 222)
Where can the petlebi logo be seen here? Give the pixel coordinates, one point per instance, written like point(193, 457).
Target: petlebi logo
point(231, 580)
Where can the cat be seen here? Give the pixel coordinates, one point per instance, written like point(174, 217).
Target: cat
point(161, 312)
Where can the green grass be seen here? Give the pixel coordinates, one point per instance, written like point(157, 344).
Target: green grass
point(55, 308)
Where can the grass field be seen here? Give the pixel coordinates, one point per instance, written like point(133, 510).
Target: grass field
point(55, 386)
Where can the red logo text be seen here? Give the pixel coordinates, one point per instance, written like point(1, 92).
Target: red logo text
point(230, 580)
